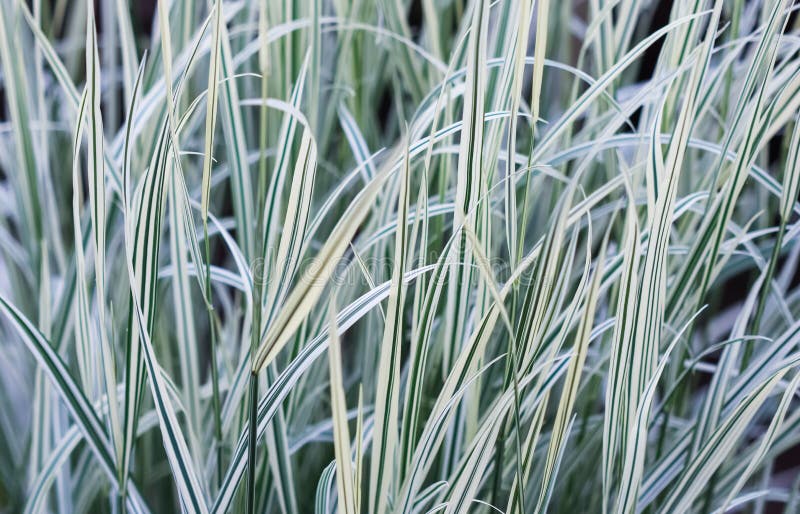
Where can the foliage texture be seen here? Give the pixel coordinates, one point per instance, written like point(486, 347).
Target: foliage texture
point(399, 256)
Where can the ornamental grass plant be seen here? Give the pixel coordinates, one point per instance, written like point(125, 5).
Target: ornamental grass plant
point(399, 256)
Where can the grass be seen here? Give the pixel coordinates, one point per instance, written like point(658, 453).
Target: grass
point(400, 256)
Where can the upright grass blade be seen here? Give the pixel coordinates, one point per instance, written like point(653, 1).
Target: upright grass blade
point(212, 99)
point(235, 139)
point(387, 394)
point(97, 201)
point(143, 245)
point(188, 484)
point(83, 326)
point(615, 420)
point(542, 17)
point(345, 479)
point(184, 315)
point(469, 177)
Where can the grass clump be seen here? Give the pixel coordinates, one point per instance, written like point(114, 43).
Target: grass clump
point(399, 257)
